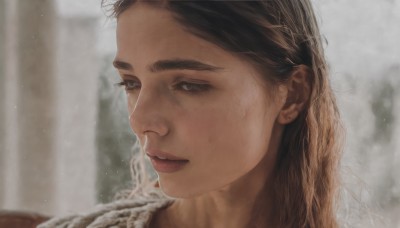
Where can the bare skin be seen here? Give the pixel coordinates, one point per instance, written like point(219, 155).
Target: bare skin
point(229, 133)
point(233, 206)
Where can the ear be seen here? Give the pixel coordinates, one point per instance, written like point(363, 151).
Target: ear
point(298, 94)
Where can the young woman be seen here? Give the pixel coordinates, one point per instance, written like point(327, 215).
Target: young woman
point(231, 103)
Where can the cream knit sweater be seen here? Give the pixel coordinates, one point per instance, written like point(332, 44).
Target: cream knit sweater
point(127, 213)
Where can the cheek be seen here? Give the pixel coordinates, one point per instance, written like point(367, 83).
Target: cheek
point(131, 102)
point(226, 141)
point(227, 136)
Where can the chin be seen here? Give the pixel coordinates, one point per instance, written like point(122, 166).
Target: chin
point(178, 191)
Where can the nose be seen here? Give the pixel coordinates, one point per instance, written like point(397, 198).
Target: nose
point(148, 114)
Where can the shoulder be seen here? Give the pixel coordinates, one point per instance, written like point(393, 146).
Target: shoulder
point(132, 213)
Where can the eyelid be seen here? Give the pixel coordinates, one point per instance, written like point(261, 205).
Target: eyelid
point(198, 84)
point(129, 77)
point(199, 87)
point(180, 78)
point(124, 83)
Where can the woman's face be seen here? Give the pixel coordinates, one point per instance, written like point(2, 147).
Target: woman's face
point(191, 101)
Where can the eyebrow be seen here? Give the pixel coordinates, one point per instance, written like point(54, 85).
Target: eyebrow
point(171, 64)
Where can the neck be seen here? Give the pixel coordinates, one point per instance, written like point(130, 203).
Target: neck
point(245, 203)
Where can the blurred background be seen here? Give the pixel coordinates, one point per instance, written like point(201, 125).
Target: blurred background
point(65, 141)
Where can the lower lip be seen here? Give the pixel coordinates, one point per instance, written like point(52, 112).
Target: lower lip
point(167, 166)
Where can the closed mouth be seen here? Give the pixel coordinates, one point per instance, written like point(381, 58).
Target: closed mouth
point(163, 156)
point(164, 164)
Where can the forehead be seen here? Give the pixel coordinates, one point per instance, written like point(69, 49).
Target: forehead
point(147, 33)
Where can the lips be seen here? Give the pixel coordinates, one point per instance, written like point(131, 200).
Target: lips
point(162, 155)
point(165, 162)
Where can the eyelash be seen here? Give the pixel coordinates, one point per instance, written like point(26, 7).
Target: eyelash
point(124, 83)
point(199, 87)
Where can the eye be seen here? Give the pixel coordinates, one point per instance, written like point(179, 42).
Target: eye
point(129, 84)
point(192, 87)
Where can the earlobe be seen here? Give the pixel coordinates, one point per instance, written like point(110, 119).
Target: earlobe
point(298, 94)
point(288, 115)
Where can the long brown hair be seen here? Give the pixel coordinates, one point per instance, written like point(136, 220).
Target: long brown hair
point(276, 36)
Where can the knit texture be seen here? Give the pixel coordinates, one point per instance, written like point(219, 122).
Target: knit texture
point(127, 213)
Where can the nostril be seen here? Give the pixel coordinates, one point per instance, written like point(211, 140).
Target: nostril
point(149, 115)
point(144, 124)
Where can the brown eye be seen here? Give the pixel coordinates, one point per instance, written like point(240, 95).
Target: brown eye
point(129, 84)
point(192, 87)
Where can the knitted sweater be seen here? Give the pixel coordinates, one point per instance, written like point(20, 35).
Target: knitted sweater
point(128, 213)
